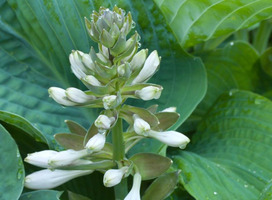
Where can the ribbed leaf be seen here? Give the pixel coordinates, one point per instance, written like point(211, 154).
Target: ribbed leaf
point(230, 68)
point(195, 21)
point(41, 195)
point(229, 157)
point(12, 172)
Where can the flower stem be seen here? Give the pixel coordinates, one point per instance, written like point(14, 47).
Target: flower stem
point(261, 38)
point(118, 155)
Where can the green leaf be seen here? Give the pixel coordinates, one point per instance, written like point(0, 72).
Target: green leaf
point(150, 165)
point(230, 154)
point(41, 195)
point(12, 171)
point(266, 60)
point(196, 21)
point(267, 192)
point(230, 68)
point(162, 187)
point(70, 141)
point(74, 196)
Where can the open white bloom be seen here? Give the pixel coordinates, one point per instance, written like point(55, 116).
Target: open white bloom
point(47, 179)
point(97, 142)
point(67, 157)
point(78, 96)
point(104, 122)
point(140, 126)
point(92, 80)
point(171, 138)
point(134, 193)
point(113, 177)
point(109, 101)
point(58, 94)
point(170, 109)
point(149, 92)
point(150, 67)
point(40, 159)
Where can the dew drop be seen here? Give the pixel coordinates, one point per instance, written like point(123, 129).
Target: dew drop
point(231, 43)
point(215, 193)
point(245, 185)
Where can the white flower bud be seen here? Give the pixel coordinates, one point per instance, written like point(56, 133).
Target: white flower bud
point(134, 193)
point(67, 157)
point(104, 122)
point(47, 179)
point(109, 101)
point(149, 92)
point(40, 159)
point(76, 65)
point(78, 96)
point(113, 177)
point(170, 109)
point(138, 59)
point(140, 126)
point(88, 62)
point(92, 80)
point(58, 94)
point(171, 138)
point(150, 67)
point(96, 143)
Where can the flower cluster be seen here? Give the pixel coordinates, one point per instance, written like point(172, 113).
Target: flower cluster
point(117, 72)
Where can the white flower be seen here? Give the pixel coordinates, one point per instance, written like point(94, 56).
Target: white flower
point(97, 142)
point(138, 59)
point(92, 80)
point(170, 109)
point(88, 62)
point(58, 94)
point(40, 159)
point(134, 193)
point(109, 101)
point(171, 138)
point(47, 179)
point(149, 92)
point(150, 67)
point(67, 157)
point(76, 65)
point(78, 96)
point(104, 122)
point(140, 126)
point(113, 177)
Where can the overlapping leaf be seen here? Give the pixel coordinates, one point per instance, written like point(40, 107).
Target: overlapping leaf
point(12, 170)
point(195, 21)
point(229, 157)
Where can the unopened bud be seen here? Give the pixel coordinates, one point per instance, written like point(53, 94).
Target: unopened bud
point(149, 92)
point(170, 109)
point(104, 122)
point(140, 126)
point(113, 177)
point(97, 142)
point(40, 159)
point(58, 94)
point(78, 96)
point(109, 101)
point(92, 80)
point(134, 193)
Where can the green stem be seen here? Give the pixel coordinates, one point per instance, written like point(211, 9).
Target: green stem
point(118, 155)
point(262, 36)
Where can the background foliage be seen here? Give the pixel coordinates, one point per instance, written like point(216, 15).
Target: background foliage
point(208, 59)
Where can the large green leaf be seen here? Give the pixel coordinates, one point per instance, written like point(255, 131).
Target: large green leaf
point(41, 195)
point(229, 68)
point(229, 156)
point(12, 170)
point(39, 35)
point(194, 21)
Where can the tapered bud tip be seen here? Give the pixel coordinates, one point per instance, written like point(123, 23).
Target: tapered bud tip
point(104, 122)
point(96, 143)
point(78, 96)
point(140, 126)
point(113, 177)
point(40, 159)
point(149, 92)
